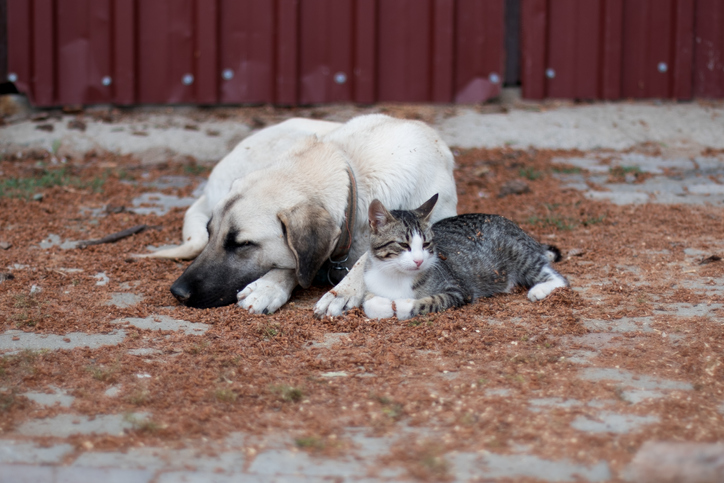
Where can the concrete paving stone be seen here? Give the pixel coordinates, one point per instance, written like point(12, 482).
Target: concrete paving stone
point(655, 164)
point(669, 462)
point(692, 310)
point(124, 300)
point(618, 198)
point(539, 404)
point(288, 462)
point(334, 374)
point(612, 422)
point(27, 474)
point(165, 459)
point(113, 391)
point(105, 475)
point(629, 379)
point(64, 425)
point(58, 396)
point(171, 181)
point(14, 341)
point(624, 324)
point(590, 164)
point(707, 165)
point(158, 203)
point(469, 466)
point(602, 125)
point(53, 240)
point(164, 322)
point(102, 278)
point(635, 396)
point(581, 356)
point(189, 477)
point(331, 339)
point(164, 131)
point(502, 392)
point(21, 452)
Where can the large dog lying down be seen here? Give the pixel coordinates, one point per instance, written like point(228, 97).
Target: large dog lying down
point(291, 196)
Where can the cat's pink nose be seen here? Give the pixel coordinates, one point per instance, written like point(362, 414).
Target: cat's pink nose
point(418, 262)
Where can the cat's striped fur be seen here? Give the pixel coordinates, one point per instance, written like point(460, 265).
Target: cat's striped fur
point(416, 267)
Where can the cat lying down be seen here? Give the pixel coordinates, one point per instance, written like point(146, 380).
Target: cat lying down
point(416, 267)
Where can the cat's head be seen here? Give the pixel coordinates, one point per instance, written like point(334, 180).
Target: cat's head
point(402, 239)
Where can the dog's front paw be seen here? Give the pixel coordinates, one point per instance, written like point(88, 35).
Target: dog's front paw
point(262, 297)
point(336, 302)
point(378, 308)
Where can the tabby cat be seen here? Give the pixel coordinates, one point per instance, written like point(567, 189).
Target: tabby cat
point(416, 268)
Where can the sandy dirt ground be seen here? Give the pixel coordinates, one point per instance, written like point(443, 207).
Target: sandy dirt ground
point(619, 378)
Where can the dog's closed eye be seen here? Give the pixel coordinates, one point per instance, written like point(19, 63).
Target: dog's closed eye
point(231, 242)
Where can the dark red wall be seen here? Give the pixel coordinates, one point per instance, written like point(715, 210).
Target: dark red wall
point(292, 52)
point(613, 49)
point(255, 51)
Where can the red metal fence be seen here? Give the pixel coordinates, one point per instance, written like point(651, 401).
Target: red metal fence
point(321, 51)
point(255, 51)
point(612, 49)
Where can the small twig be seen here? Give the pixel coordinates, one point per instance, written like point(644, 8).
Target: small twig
point(710, 259)
point(113, 237)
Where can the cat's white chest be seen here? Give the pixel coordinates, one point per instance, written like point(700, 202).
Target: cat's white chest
point(389, 285)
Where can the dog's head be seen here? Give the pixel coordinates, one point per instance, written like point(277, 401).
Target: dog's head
point(264, 223)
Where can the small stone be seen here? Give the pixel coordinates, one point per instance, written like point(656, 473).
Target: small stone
point(35, 289)
point(88, 445)
point(6, 276)
point(5, 245)
point(576, 252)
point(513, 187)
point(76, 124)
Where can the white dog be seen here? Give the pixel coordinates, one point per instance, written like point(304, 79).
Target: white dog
point(291, 201)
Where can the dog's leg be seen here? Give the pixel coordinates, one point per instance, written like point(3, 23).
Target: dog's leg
point(195, 235)
point(347, 294)
point(270, 292)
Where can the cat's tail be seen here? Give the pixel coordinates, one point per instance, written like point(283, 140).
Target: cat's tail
point(553, 253)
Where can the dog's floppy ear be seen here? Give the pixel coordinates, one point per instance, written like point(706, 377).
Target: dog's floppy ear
point(311, 234)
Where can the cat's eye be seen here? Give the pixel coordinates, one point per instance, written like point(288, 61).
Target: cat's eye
point(426, 245)
point(404, 246)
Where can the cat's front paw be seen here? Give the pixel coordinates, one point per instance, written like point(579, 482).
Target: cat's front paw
point(404, 308)
point(378, 308)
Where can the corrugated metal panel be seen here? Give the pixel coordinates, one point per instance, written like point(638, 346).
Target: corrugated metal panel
point(709, 49)
point(83, 50)
point(607, 49)
point(317, 51)
point(325, 45)
point(255, 51)
point(123, 76)
point(479, 50)
point(246, 51)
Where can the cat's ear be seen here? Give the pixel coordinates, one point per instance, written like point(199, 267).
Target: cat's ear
point(379, 216)
point(426, 208)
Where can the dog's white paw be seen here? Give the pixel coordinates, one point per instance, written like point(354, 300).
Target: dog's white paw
point(404, 308)
point(335, 303)
point(262, 297)
point(378, 308)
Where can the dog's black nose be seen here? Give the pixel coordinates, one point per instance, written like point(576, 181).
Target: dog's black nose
point(181, 292)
